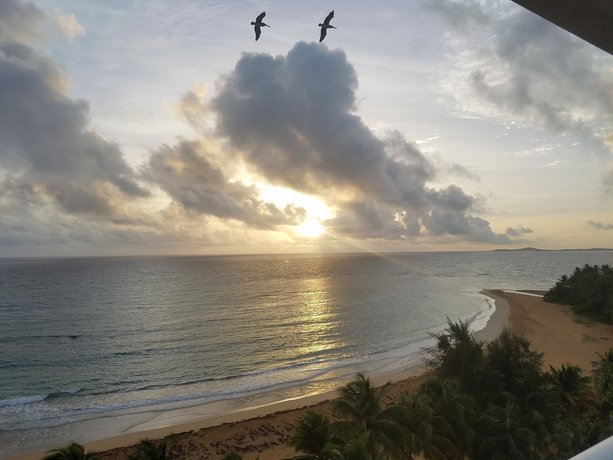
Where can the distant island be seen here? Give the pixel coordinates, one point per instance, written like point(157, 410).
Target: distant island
point(537, 249)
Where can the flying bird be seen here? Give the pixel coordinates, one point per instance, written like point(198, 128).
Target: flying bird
point(326, 25)
point(258, 24)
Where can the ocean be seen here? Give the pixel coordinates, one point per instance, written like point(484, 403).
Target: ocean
point(91, 347)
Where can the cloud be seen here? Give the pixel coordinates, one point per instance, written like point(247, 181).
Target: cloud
point(293, 119)
point(600, 225)
point(517, 231)
point(461, 14)
point(45, 142)
point(186, 173)
point(19, 20)
point(69, 26)
point(192, 108)
point(608, 178)
point(526, 67)
point(290, 120)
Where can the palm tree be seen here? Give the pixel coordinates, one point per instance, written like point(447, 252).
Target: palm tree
point(354, 448)
point(456, 408)
point(362, 406)
point(603, 381)
point(570, 388)
point(505, 436)
point(315, 437)
point(73, 451)
point(427, 432)
point(148, 449)
point(457, 355)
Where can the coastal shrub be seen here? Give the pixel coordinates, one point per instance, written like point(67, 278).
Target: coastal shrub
point(73, 451)
point(589, 290)
point(603, 381)
point(149, 449)
point(512, 366)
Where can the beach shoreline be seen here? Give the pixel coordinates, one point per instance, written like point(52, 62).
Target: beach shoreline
point(263, 431)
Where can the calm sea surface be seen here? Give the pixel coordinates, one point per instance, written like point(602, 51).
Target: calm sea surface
point(92, 346)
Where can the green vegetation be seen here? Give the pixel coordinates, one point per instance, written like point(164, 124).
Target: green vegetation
point(484, 401)
point(149, 449)
point(589, 290)
point(73, 451)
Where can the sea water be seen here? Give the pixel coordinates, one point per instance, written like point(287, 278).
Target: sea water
point(90, 347)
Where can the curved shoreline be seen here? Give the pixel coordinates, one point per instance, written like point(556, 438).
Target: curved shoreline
point(263, 430)
point(402, 370)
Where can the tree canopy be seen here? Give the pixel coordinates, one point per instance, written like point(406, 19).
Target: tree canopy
point(589, 289)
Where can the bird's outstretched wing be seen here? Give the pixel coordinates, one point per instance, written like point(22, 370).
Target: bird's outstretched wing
point(322, 35)
point(260, 18)
point(258, 31)
point(329, 18)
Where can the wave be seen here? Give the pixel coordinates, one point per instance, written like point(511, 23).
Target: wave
point(24, 400)
point(62, 394)
point(21, 400)
point(61, 407)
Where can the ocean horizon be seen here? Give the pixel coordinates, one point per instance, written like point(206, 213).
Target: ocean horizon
point(92, 346)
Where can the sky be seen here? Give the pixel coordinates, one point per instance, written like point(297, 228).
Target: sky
point(162, 127)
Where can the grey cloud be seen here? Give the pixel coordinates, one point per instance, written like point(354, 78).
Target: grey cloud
point(608, 178)
point(600, 225)
point(293, 119)
point(460, 171)
point(366, 220)
point(451, 198)
point(528, 67)
point(302, 103)
point(517, 231)
point(441, 222)
point(193, 109)
point(19, 20)
point(460, 14)
point(44, 138)
point(186, 173)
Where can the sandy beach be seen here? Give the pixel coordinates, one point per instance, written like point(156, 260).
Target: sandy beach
point(263, 432)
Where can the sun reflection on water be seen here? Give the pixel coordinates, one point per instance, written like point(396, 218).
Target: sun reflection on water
point(318, 331)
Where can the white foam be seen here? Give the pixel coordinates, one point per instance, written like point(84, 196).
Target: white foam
point(522, 293)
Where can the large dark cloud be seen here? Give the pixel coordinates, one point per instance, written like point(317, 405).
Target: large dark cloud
point(293, 118)
point(45, 142)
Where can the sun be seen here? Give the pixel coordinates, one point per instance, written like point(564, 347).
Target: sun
point(310, 228)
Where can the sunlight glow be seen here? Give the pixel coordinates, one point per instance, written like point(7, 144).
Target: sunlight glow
point(310, 229)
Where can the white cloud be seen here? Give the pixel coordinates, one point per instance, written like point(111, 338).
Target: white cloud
point(69, 26)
